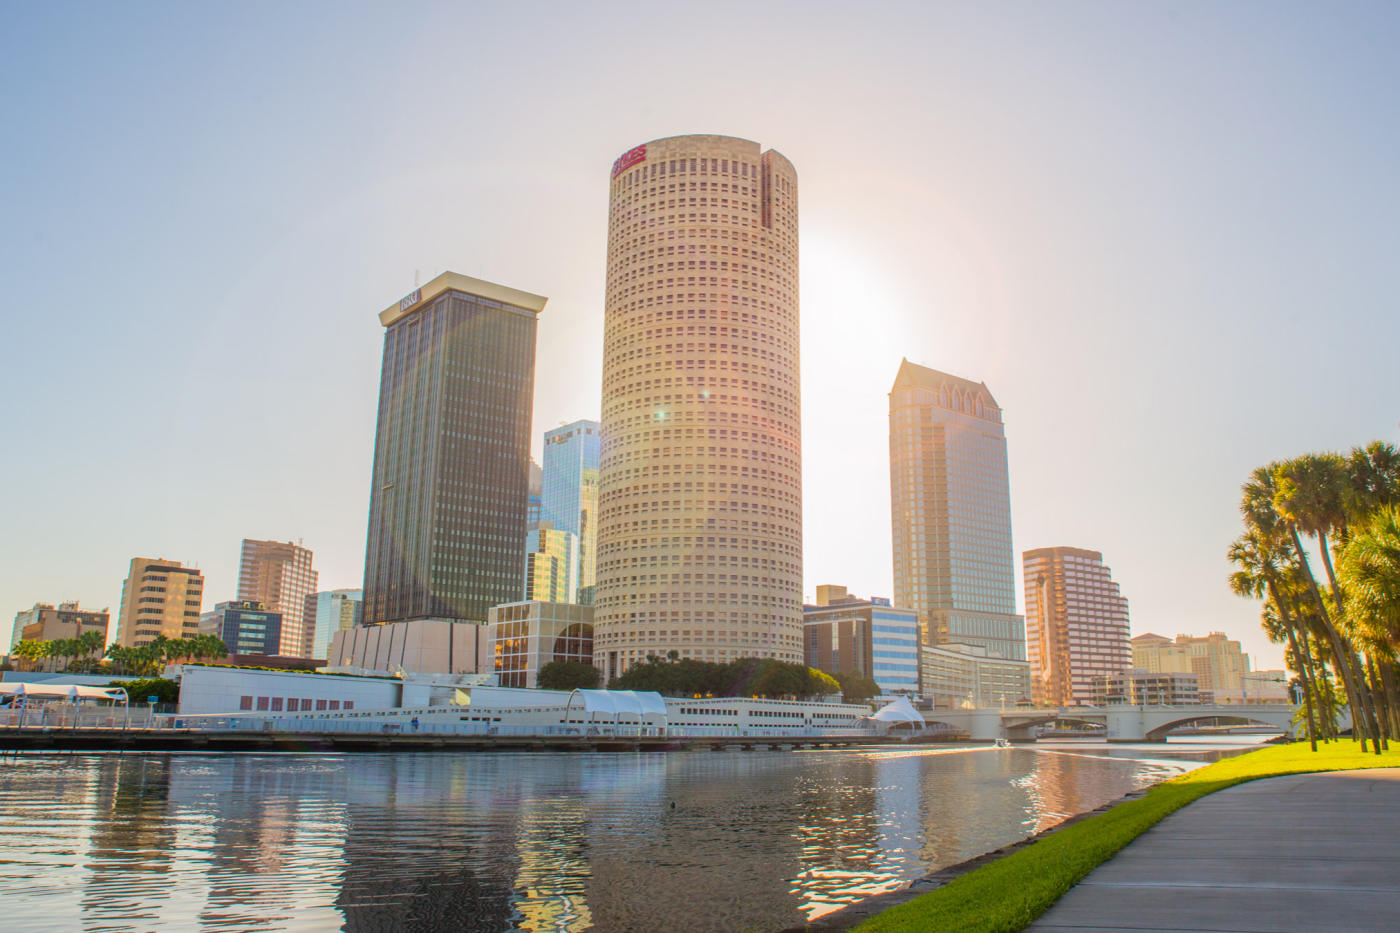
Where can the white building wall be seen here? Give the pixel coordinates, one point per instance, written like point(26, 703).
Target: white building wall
point(219, 690)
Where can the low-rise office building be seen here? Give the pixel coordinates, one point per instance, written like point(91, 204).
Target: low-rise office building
point(527, 635)
point(245, 626)
point(869, 637)
point(1138, 687)
point(958, 676)
point(46, 622)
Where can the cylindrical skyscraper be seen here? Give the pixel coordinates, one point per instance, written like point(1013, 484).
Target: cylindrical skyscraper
point(700, 486)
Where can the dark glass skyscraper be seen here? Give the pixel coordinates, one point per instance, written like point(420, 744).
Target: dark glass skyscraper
point(452, 452)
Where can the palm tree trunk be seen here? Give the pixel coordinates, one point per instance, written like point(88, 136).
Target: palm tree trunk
point(1378, 694)
point(1289, 626)
point(1388, 683)
point(1368, 697)
point(1341, 653)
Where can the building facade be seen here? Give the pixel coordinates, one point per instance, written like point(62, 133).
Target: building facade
point(527, 635)
point(1137, 687)
point(45, 622)
point(869, 637)
point(1076, 624)
point(451, 471)
point(700, 470)
point(950, 509)
point(419, 646)
point(551, 564)
point(570, 497)
point(957, 676)
point(279, 576)
point(246, 627)
point(333, 611)
point(159, 597)
point(1218, 662)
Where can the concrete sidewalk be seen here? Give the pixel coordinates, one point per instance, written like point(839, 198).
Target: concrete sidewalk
point(1306, 852)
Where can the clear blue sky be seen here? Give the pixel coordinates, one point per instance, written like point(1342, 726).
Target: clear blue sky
point(1164, 234)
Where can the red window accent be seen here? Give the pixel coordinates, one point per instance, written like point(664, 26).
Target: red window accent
point(262, 702)
point(335, 704)
point(245, 702)
point(320, 704)
point(277, 704)
point(349, 704)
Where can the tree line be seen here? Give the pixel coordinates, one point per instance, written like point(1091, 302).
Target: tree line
point(1341, 632)
point(85, 655)
point(747, 677)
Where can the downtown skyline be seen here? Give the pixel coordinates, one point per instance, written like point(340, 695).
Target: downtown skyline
point(1122, 220)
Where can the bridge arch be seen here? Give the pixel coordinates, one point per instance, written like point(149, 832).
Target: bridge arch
point(1281, 721)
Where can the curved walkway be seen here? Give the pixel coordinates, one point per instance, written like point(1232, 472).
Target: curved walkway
point(1305, 852)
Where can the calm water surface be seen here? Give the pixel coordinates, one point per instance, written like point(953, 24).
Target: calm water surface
point(541, 842)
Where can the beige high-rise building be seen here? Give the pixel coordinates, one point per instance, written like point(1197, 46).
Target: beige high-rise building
point(1076, 624)
point(700, 498)
point(159, 597)
point(278, 574)
point(1218, 662)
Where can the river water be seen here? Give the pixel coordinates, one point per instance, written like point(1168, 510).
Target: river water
point(680, 841)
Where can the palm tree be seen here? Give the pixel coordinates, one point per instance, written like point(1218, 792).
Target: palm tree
point(1261, 563)
point(1308, 498)
point(1370, 567)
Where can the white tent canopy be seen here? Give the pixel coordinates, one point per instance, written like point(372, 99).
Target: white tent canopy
point(620, 705)
point(901, 710)
point(70, 692)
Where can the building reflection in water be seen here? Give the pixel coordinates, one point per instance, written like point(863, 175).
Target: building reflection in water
point(537, 842)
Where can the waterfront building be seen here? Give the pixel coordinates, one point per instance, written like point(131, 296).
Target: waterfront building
point(246, 627)
point(45, 622)
point(570, 497)
point(278, 574)
point(551, 564)
point(700, 470)
point(451, 473)
point(333, 611)
point(159, 597)
point(1137, 687)
point(1076, 624)
point(958, 676)
point(1218, 662)
point(950, 509)
point(527, 635)
point(869, 637)
point(418, 646)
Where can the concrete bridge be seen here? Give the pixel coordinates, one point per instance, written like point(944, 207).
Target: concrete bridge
point(1120, 723)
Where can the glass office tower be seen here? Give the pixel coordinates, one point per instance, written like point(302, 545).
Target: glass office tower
point(950, 507)
point(569, 501)
point(452, 452)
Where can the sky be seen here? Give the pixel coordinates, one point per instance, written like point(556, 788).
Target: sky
point(1162, 233)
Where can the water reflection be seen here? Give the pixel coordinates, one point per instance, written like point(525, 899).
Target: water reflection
point(535, 842)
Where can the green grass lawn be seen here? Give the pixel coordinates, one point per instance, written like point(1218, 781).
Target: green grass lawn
point(1008, 894)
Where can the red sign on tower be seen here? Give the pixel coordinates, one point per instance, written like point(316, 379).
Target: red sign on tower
point(628, 159)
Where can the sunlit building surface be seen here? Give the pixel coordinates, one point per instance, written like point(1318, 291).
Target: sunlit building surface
point(333, 611)
point(278, 575)
point(844, 634)
point(551, 564)
point(1218, 662)
point(1076, 624)
point(159, 597)
point(950, 505)
point(569, 500)
point(525, 636)
point(44, 622)
point(966, 676)
point(451, 452)
point(700, 479)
